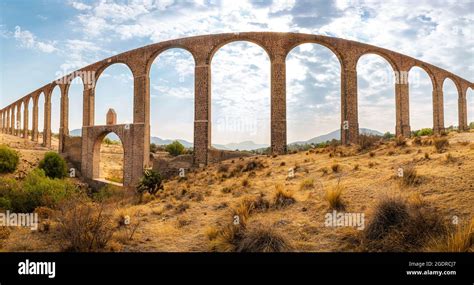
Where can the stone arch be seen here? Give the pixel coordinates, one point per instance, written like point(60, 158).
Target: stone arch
point(381, 54)
point(73, 105)
point(427, 71)
point(223, 43)
point(99, 114)
point(312, 124)
point(225, 124)
point(96, 173)
point(41, 112)
point(470, 105)
point(415, 113)
point(106, 64)
point(155, 54)
point(159, 89)
point(389, 83)
point(21, 119)
point(317, 42)
point(450, 103)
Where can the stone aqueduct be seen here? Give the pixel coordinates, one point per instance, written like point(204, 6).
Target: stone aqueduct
point(136, 136)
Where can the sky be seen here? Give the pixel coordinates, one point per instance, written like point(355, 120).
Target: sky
point(46, 39)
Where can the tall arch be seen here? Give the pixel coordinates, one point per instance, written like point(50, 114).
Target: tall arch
point(470, 107)
point(450, 103)
point(313, 87)
point(114, 89)
point(172, 95)
point(21, 119)
point(41, 115)
point(55, 116)
point(376, 94)
point(75, 91)
point(421, 98)
point(240, 101)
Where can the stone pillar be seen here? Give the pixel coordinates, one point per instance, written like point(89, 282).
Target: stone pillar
point(402, 109)
point(462, 110)
point(438, 109)
point(278, 106)
point(111, 118)
point(18, 120)
point(1, 121)
point(25, 119)
point(141, 115)
point(88, 106)
point(202, 113)
point(349, 111)
point(63, 118)
point(47, 120)
point(34, 131)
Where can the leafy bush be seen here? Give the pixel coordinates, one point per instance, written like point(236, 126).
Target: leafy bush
point(471, 125)
point(151, 182)
point(423, 132)
point(35, 191)
point(175, 148)
point(54, 165)
point(8, 159)
point(388, 136)
point(153, 147)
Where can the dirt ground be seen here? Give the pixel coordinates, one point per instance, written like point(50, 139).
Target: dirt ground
point(180, 217)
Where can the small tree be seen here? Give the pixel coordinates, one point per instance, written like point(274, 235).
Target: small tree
point(54, 165)
point(175, 148)
point(153, 147)
point(150, 182)
point(8, 159)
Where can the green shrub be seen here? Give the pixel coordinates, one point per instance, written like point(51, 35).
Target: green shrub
point(423, 132)
point(175, 148)
point(5, 203)
point(108, 192)
point(35, 191)
point(153, 148)
point(54, 165)
point(8, 159)
point(151, 182)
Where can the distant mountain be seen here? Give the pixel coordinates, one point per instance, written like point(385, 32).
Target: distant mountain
point(335, 135)
point(245, 145)
point(160, 141)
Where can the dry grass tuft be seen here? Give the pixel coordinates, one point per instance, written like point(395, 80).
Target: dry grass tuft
point(410, 176)
point(397, 226)
point(307, 184)
point(441, 144)
point(459, 240)
point(283, 197)
point(334, 197)
point(335, 168)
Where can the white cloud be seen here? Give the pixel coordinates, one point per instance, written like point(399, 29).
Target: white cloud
point(29, 40)
point(80, 6)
